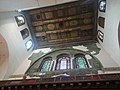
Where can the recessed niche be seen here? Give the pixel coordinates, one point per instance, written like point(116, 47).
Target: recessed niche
point(119, 34)
point(101, 22)
point(24, 33)
point(100, 35)
point(102, 5)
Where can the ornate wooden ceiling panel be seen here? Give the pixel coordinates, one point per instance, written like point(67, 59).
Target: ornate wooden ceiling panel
point(64, 24)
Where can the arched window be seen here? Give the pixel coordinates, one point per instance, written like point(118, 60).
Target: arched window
point(80, 61)
point(46, 64)
point(63, 62)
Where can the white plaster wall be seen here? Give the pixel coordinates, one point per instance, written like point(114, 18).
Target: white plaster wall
point(63, 1)
point(16, 45)
point(103, 56)
point(12, 5)
point(43, 3)
point(112, 18)
point(25, 64)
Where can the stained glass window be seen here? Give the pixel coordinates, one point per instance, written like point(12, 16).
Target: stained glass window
point(46, 64)
point(63, 62)
point(80, 62)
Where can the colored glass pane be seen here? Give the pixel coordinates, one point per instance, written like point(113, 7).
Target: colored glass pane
point(46, 65)
point(80, 63)
point(63, 63)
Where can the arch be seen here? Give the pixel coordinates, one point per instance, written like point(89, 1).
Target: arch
point(4, 57)
point(46, 64)
point(80, 61)
point(35, 68)
point(63, 62)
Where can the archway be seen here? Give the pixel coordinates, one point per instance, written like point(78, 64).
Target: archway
point(4, 54)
